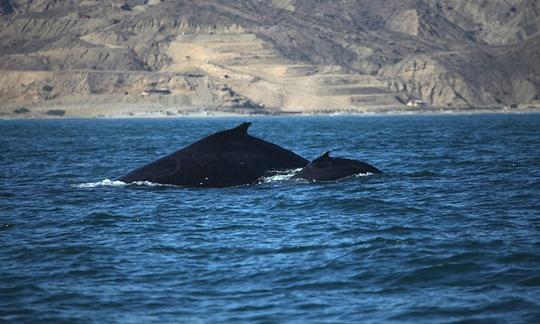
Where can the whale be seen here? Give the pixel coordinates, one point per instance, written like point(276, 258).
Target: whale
point(327, 168)
point(225, 159)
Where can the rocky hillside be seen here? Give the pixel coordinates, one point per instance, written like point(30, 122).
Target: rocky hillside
point(269, 56)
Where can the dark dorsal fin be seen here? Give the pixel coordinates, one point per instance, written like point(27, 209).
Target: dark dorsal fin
point(324, 157)
point(241, 129)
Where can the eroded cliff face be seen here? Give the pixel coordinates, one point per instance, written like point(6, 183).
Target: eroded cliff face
point(271, 56)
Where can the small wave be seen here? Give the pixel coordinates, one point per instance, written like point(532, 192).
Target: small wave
point(344, 179)
point(116, 183)
point(423, 174)
point(278, 176)
point(103, 183)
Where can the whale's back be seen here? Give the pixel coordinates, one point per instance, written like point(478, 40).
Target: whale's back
point(224, 159)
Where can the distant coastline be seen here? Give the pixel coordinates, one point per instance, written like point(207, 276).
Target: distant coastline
point(146, 59)
point(151, 111)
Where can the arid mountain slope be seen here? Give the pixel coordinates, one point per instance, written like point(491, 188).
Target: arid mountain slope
point(270, 56)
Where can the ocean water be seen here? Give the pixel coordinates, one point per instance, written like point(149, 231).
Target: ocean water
point(450, 232)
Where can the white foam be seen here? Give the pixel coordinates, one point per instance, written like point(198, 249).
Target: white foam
point(279, 176)
point(361, 175)
point(116, 183)
point(104, 183)
point(150, 184)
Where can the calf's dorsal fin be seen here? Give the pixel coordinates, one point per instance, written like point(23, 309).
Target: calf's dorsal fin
point(324, 157)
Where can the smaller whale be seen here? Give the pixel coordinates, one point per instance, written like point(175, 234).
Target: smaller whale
point(326, 168)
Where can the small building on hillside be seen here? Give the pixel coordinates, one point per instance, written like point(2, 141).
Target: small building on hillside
point(416, 103)
point(150, 91)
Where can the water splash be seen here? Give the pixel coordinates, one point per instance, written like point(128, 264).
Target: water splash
point(116, 183)
point(362, 175)
point(278, 176)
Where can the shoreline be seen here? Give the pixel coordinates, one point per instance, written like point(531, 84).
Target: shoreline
point(164, 113)
point(116, 110)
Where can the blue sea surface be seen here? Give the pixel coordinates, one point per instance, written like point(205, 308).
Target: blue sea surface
point(450, 232)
